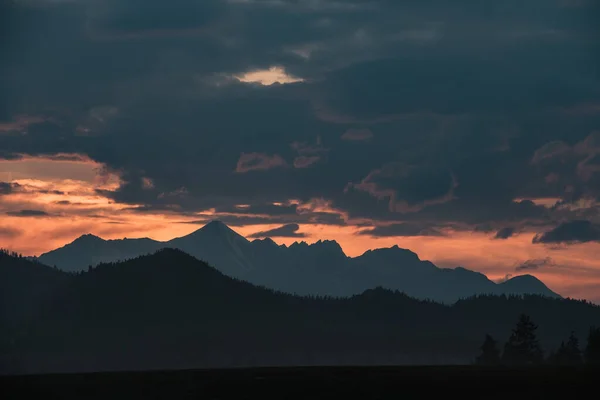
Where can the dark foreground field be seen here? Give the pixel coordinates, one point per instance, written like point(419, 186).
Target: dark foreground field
point(309, 383)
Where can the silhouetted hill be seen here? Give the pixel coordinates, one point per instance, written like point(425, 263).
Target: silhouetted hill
point(89, 250)
point(522, 284)
point(170, 310)
point(320, 268)
point(23, 286)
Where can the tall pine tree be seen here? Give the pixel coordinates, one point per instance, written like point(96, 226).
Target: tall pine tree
point(592, 351)
point(569, 353)
point(490, 355)
point(523, 347)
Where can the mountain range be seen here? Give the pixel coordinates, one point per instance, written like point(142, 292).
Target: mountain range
point(320, 268)
point(169, 310)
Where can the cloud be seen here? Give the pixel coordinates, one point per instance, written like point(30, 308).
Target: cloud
point(404, 229)
point(272, 209)
point(7, 232)
point(571, 170)
point(28, 213)
point(8, 187)
point(409, 188)
point(268, 77)
point(148, 90)
point(535, 264)
point(19, 124)
point(353, 134)
point(550, 150)
point(127, 17)
point(289, 230)
point(147, 183)
point(305, 161)
point(505, 233)
point(308, 154)
point(257, 161)
point(578, 231)
point(504, 279)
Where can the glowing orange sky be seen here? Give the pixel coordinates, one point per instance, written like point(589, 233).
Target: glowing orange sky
point(65, 190)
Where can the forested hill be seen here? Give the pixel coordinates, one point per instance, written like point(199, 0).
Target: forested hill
point(24, 286)
point(170, 310)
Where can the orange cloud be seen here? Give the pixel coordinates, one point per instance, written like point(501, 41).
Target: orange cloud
point(258, 161)
point(20, 123)
point(268, 77)
point(67, 190)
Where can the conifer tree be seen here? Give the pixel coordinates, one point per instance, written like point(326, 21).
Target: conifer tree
point(592, 350)
point(490, 355)
point(523, 347)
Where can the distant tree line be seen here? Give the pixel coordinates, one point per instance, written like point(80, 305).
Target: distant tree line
point(523, 348)
point(6, 252)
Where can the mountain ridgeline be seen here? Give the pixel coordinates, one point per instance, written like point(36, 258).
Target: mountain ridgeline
point(170, 310)
point(321, 268)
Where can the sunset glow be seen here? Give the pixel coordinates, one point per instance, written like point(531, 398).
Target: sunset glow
point(64, 197)
point(471, 138)
point(268, 77)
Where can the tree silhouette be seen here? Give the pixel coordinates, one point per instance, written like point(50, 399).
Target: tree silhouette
point(192, 315)
point(523, 347)
point(592, 351)
point(490, 355)
point(569, 353)
point(574, 351)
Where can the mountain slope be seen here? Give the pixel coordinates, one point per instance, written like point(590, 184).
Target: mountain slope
point(219, 245)
point(524, 284)
point(24, 285)
point(320, 268)
point(170, 310)
point(89, 250)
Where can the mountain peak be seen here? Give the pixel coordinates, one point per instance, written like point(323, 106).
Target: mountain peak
point(524, 278)
point(266, 241)
point(215, 226)
point(88, 238)
point(321, 247)
point(214, 229)
point(393, 251)
point(331, 245)
point(522, 284)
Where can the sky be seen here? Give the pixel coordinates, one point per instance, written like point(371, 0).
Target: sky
point(466, 131)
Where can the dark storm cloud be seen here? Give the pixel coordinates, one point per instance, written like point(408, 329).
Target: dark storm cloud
point(290, 230)
point(264, 209)
point(28, 213)
point(357, 134)
point(485, 227)
point(505, 233)
point(409, 187)
point(422, 112)
point(8, 188)
point(535, 264)
point(570, 169)
point(142, 16)
point(401, 230)
point(578, 231)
